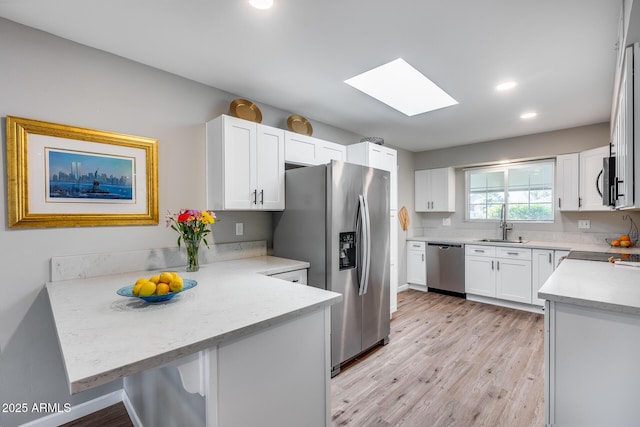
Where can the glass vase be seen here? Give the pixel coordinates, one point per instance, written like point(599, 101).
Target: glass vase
point(192, 246)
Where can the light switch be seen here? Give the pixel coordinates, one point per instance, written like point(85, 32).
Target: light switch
point(584, 223)
point(446, 222)
point(239, 229)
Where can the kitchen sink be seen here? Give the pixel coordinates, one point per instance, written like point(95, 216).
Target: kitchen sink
point(502, 241)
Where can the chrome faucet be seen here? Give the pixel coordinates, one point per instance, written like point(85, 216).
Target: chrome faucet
point(506, 227)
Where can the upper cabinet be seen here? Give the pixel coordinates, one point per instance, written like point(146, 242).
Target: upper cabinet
point(579, 180)
point(435, 190)
point(379, 157)
point(308, 151)
point(567, 176)
point(244, 165)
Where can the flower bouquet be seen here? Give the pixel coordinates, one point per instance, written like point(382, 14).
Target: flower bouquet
point(192, 227)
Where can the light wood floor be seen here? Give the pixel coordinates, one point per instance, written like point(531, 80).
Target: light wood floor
point(450, 362)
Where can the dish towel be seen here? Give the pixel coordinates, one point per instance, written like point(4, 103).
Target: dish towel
point(403, 217)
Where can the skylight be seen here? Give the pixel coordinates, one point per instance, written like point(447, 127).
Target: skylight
point(402, 87)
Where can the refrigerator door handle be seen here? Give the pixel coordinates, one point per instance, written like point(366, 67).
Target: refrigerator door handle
point(360, 239)
point(363, 218)
point(367, 243)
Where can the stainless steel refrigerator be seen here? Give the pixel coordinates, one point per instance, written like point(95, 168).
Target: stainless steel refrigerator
point(337, 218)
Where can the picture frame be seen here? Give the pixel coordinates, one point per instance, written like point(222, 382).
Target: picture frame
point(68, 176)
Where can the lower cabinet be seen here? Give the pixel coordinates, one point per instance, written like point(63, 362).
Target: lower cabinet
point(416, 263)
point(498, 272)
point(295, 276)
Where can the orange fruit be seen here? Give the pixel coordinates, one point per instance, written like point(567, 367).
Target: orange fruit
point(625, 238)
point(615, 243)
point(162, 289)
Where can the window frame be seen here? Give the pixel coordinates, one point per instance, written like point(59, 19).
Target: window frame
point(504, 168)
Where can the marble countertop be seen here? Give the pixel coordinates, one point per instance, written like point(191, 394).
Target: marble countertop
point(104, 336)
point(601, 285)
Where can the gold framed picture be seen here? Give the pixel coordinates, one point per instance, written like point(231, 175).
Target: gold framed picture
point(67, 176)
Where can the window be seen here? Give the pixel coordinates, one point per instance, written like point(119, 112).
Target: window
point(524, 191)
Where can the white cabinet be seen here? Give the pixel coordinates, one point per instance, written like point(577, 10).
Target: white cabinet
point(542, 267)
point(480, 270)
point(308, 151)
point(592, 369)
point(579, 180)
point(498, 272)
point(244, 165)
point(435, 190)
point(544, 263)
point(416, 263)
point(513, 274)
point(295, 276)
point(591, 179)
point(622, 137)
point(379, 157)
point(567, 181)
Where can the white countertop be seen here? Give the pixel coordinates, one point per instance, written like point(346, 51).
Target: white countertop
point(595, 284)
point(104, 336)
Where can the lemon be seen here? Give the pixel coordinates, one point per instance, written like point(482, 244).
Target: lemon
point(162, 289)
point(147, 288)
point(137, 286)
point(166, 277)
point(155, 279)
point(176, 284)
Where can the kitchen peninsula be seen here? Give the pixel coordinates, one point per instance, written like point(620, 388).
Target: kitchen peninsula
point(592, 325)
point(256, 348)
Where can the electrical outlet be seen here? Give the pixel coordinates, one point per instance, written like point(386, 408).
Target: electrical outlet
point(239, 229)
point(446, 222)
point(584, 223)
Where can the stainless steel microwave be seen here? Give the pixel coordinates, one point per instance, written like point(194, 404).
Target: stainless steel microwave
point(609, 181)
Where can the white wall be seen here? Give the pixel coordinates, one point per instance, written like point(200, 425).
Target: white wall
point(47, 78)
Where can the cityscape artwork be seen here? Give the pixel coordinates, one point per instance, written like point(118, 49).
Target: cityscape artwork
point(75, 175)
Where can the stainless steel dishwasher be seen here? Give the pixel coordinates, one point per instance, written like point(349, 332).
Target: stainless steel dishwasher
point(445, 268)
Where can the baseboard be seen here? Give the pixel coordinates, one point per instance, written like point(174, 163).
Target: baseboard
point(79, 411)
point(403, 287)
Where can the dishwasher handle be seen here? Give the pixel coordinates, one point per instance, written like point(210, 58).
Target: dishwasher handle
point(445, 246)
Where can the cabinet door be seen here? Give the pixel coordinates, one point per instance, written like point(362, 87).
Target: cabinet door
point(421, 191)
point(328, 151)
point(441, 189)
point(567, 179)
point(269, 169)
point(300, 150)
point(239, 163)
point(542, 266)
point(386, 159)
point(513, 280)
point(591, 179)
point(480, 276)
point(623, 136)
point(416, 265)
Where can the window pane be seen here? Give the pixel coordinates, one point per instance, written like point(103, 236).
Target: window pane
point(526, 189)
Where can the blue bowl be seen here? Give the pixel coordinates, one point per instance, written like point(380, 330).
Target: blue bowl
point(126, 292)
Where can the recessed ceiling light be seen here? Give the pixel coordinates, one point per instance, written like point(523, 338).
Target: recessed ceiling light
point(529, 115)
point(402, 87)
point(261, 4)
point(506, 86)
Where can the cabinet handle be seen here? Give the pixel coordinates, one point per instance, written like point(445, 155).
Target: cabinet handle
point(498, 265)
point(513, 253)
point(559, 203)
point(550, 258)
point(579, 202)
point(255, 197)
point(479, 250)
point(262, 196)
point(491, 264)
point(295, 280)
point(422, 257)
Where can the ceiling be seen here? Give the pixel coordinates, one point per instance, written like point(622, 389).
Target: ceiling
point(297, 55)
